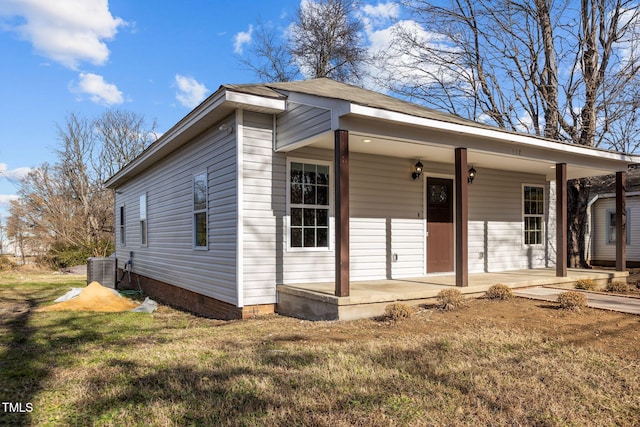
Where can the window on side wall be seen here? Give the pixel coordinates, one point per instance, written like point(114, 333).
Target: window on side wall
point(611, 227)
point(533, 209)
point(309, 204)
point(200, 229)
point(143, 219)
point(122, 222)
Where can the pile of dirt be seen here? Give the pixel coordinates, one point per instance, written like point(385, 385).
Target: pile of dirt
point(95, 297)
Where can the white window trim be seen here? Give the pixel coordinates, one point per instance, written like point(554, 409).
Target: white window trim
point(144, 223)
point(608, 229)
point(194, 211)
point(543, 215)
point(330, 232)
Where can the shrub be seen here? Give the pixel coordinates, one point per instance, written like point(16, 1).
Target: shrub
point(450, 299)
point(572, 300)
point(398, 311)
point(499, 292)
point(6, 264)
point(585, 284)
point(618, 287)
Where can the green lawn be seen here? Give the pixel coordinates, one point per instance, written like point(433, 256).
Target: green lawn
point(173, 368)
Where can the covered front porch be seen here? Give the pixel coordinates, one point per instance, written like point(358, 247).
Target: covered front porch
point(317, 301)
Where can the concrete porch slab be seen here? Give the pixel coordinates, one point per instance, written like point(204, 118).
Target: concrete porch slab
point(316, 301)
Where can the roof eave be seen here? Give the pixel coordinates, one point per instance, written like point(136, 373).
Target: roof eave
point(224, 100)
point(494, 134)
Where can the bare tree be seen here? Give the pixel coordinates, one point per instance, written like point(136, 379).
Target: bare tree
point(121, 136)
point(65, 205)
point(323, 40)
point(17, 230)
point(559, 69)
point(269, 57)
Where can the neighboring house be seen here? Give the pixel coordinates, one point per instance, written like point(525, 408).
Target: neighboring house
point(318, 181)
point(602, 229)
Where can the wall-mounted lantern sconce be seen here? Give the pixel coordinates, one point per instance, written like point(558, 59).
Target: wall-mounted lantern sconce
point(471, 175)
point(418, 171)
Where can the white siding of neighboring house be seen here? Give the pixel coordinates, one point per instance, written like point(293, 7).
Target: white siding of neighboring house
point(600, 250)
point(169, 255)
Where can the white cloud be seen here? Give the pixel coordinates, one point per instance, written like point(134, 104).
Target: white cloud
point(403, 62)
point(241, 39)
point(66, 31)
point(98, 90)
point(17, 174)
point(387, 10)
point(5, 200)
point(190, 91)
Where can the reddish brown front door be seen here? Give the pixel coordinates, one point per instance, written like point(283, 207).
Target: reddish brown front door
point(439, 225)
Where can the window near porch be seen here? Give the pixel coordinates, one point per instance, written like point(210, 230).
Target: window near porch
point(533, 199)
point(200, 211)
point(611, 227)
point(308, 205)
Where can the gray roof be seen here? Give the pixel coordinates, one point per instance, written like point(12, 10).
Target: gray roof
point(332, 89)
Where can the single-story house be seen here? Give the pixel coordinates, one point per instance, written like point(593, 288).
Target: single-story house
point(265, 185)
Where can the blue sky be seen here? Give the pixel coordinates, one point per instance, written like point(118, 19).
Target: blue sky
point(154, 58)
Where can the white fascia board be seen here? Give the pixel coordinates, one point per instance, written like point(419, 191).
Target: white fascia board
point(254, 101)
point(488, 133)
point(611, 196)
point(215, 101)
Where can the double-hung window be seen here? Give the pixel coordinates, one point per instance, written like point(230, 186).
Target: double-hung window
point(533, 210)
point(309, 204)
point(200, 191)
point(611, 227)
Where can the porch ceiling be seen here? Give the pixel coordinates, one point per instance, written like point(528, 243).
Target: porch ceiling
point(431, 151)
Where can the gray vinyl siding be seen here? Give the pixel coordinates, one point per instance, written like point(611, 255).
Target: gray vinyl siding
point(496, 227)
point(169, 255)
point(300, 122)
point(386, 219)
point(263, 210)
point(600, 250)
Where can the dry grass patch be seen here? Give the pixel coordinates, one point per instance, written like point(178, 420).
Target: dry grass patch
point(520, 363)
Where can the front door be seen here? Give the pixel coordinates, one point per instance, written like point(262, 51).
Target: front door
point(439, 225)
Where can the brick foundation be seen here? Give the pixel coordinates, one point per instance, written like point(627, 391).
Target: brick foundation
point(191, 301)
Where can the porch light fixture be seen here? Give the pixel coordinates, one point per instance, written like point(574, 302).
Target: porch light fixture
point(418, 171)
point(471, 175)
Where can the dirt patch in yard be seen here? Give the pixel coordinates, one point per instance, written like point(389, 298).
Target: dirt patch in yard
point(94, 297)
